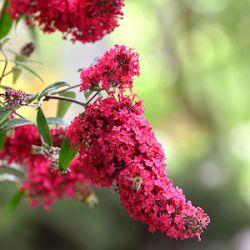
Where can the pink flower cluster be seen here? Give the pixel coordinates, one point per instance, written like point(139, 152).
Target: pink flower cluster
point(116, 68)
point(117, 146)
point(41, 184)
point(85, 20)
point(14, 98)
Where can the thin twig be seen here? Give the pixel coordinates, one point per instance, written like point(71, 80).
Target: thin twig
point(19, 115)
point(62, 98)
point(72, 87)
point(8, 73)
point(26, 60)
point(5, 64)
point(88, 102)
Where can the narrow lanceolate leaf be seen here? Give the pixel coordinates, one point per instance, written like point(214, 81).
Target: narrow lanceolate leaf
point(16, 74)
point(5, 87)
point(33, 34)
point(27, 68)
point(4, 115)
point(14, 202)
point(87, 94)
point(6, 21)
point(3, 136)
point(4, 41)
point(33, 98)
point(57, 121)
point(67, 154)
point(43, 127)
point(14, 123)
point(52, 88)
point(63, 106)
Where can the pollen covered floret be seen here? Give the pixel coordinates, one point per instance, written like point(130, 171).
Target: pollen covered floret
point(40, 183)
point(115, 69)
point(84, 20)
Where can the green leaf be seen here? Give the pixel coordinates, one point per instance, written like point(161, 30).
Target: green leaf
point(3, 136)
point(4, 114)
point(63, 106)
point(4, 41)
point(33, 98)
point(31, 71)
point(67, 154)
point(14, 123)
point(16, 74)
point(14, 202)
point(5, 87)
point(43, 127)
point(33, 34)
point(19, 58)
point(57, 121)
point(52, 87)
point(87, 94)
point(5, 20)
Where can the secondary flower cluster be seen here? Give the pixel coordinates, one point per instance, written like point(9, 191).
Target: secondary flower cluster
point(118, 146)
point(14, 98)
point(116, 68)
point(40, 183)
point(84, 20)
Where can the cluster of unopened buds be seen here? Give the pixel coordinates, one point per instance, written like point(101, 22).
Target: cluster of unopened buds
point(14, 99)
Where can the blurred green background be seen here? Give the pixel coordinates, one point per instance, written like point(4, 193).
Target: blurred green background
point(195, 82)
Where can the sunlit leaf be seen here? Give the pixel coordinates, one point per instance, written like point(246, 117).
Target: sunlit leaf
point(30, 71)
point(16, 74)
point(63, 106)
point(51, 88)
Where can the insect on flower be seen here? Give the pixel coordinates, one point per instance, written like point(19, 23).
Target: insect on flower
point(137, 182)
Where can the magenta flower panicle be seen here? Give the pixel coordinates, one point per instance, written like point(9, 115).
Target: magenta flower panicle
point(118, 147)
point(85, 20)
point(115, 69)
point(40, 183)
